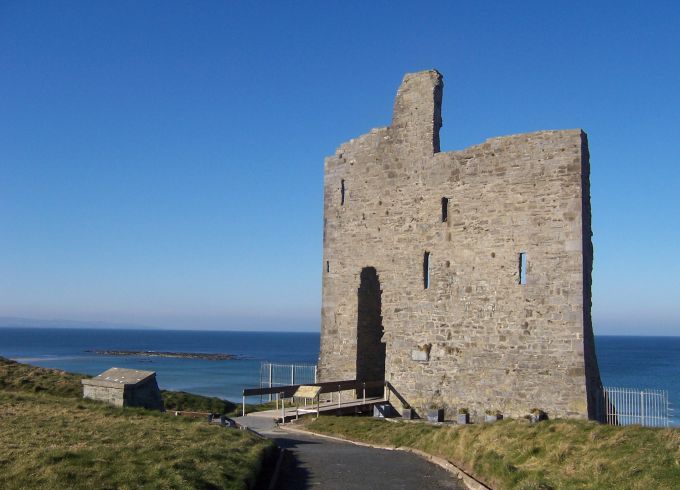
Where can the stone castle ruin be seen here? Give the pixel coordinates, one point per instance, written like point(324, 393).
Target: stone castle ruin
point(463, 278)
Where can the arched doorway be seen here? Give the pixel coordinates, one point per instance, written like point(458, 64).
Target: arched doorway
point(370, 348)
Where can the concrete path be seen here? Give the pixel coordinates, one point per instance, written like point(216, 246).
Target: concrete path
point(317, 462)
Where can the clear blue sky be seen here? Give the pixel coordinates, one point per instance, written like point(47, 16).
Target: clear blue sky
point(161, 163)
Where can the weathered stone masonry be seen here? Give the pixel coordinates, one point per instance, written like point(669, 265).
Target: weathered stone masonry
point(125, 388)
point(422, 259)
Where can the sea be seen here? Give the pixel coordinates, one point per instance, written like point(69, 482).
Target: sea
point(624, 361)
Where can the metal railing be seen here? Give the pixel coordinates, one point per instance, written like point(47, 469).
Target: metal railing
point(279, 374)
point(629, 406)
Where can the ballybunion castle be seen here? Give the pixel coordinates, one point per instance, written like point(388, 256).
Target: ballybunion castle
point(463, 278)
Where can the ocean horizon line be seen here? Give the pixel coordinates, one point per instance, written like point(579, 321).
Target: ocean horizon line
point(69, 325)
point(127, 327)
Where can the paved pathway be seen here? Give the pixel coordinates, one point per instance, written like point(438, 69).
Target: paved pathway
point(317, 462)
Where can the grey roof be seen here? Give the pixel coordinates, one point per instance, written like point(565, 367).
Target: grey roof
point(120, 377)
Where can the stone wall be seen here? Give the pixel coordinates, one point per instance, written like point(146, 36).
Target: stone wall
point(112, 395)
point(144, 394)
point(459, 328)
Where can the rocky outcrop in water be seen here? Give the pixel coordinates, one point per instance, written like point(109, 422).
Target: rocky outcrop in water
point(179, 355)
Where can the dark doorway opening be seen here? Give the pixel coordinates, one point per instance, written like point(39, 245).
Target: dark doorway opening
point(370, 348)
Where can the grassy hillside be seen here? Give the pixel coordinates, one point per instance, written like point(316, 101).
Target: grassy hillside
point(180, 400)
point(51, 438)
point(23, 377)
point(557, 454)
point(15, 376)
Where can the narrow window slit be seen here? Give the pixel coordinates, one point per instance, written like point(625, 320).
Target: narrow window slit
point(328, 266)
point(522, 267)
point(445, 209)
point(426, 270)
point(342, 192)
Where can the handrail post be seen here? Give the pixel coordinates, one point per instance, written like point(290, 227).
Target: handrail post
point(244, 405)
point(271, 369)
point(364, 383)
point(338, 397)
point(283, 409)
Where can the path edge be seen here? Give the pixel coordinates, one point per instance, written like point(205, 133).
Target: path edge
point(274, 481)
point(468, 480)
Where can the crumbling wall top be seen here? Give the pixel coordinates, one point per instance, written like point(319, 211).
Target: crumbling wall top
point(417, 114)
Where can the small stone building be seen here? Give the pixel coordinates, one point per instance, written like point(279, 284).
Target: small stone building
point(463, 278)
point(125, 388)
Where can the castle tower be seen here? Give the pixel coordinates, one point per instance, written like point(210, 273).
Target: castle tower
point(462, 278)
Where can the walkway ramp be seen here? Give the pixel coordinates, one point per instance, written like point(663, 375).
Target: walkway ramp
point(337, 397)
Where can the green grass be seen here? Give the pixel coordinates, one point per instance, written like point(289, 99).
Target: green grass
point(51, 438)
point(180, 400)
point(23, 377)
point(513, 454)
